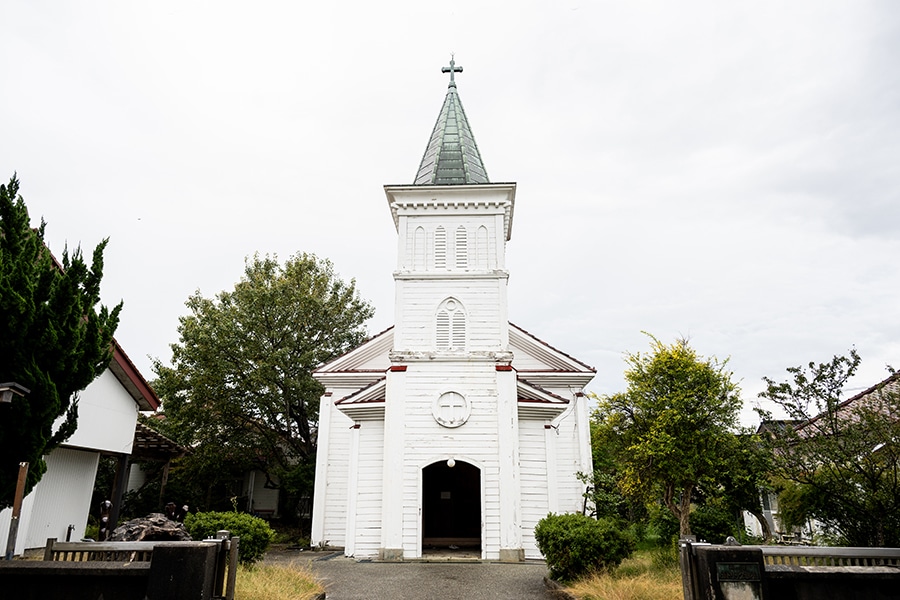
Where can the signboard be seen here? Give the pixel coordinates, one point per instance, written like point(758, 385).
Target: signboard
point(738, 571)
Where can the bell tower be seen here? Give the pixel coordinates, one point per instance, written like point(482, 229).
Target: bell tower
point(451, 384)
point(452, 228)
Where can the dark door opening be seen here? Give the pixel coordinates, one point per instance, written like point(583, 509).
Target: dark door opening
point(451, 506)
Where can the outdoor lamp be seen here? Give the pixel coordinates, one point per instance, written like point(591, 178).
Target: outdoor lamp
point(8, 389)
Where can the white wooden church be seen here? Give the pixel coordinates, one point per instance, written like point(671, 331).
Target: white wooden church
point(454, 428)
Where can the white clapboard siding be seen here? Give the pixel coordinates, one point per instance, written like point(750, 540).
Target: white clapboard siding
point(369, 488)
point(335, 525)
point(571, 490)
point(474, 442)
point(533, 460)
point(480, 299)
point(70, 475)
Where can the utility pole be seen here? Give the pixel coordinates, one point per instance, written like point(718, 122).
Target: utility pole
point(16, 511)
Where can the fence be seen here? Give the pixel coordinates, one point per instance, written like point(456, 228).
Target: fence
point(140, 570)
point(788, 573)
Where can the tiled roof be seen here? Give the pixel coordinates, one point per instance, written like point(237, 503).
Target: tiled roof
point(452, 156)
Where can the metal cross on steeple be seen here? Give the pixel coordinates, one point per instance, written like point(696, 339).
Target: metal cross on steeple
point(451, 69)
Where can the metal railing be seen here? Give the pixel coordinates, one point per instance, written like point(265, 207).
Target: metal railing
point(817, 556)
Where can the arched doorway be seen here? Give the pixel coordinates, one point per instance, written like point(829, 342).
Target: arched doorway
point(451, 506)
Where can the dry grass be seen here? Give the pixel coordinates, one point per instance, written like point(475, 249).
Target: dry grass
point(635, 579)
point(277, 582)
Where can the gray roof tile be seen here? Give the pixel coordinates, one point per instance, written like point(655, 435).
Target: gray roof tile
point(451, 156)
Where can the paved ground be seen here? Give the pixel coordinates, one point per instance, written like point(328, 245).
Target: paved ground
point(347, 579)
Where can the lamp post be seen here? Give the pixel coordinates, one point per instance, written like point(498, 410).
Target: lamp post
point(7, 391)
point(11, 388)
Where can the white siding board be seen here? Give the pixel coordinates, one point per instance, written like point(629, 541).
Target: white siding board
point(336, 487)
point(533, 457)
point(369, 488)
point(107, 415)
point(568, 466)
point(70, 475)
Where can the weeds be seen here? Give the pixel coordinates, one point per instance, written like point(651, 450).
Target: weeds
point(637, 578)
point(274, 582)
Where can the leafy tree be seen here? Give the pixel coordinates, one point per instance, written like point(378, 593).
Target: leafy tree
point(671, 429)
point(240, 391)
point(53, 339)
point(743, 478)
point(843, 454)
point(604, 494)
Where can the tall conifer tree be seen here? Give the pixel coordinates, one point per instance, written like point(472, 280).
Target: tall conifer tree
point(54, 339)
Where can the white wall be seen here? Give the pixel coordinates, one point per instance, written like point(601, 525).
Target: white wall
point(107, 415)
point(62, 497)
point(535, 489)
point(263, 500)
point(368, 501)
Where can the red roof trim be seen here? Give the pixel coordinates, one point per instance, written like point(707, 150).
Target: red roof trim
point(398, 368)
point(542, 390)
point(504, 367)
point(346, 399)
point(134, 376)
point(540, 401)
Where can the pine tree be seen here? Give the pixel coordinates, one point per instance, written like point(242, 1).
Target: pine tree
point(53, 340)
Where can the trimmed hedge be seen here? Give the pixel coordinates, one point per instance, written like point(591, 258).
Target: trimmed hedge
point(255, 533)
point(575, 545)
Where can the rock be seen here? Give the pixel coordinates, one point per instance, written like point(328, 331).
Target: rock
point(154, 527)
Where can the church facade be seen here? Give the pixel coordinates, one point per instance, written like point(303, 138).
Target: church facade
point(454, 428)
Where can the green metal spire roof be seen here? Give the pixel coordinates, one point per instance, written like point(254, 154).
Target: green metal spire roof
point(451, 157)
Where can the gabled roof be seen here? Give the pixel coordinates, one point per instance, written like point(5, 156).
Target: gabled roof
point(132, 380)
point(541, 363)
point(151, 444)
point(890, 385)
point(536, 402)
point(534, 360)
point(367, 403)
point(451, 157)
point(363, 365)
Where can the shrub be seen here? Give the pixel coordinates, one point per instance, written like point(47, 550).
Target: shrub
point(255, 533)
point(713, 522)
point(575, 545)
point(663, 526)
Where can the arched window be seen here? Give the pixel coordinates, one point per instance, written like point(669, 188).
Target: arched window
point(450, 326)
point(481, 248)
point(462, 248)
point(419, 249)
point(440, 248)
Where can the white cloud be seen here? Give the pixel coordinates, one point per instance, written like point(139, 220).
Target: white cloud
point(718, 171)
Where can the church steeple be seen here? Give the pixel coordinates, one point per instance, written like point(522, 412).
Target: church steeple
point(452, 156)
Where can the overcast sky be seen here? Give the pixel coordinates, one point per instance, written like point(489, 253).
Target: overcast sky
point(727, 172)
